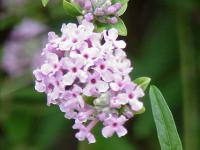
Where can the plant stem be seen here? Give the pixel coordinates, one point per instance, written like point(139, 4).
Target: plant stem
point(189, 80)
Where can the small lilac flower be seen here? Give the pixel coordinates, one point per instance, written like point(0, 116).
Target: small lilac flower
point(112, 35)
point(52, 64)
point(105, 72)
point(74, 71)
point(133, 93)
point(54, 88)
point(74, 95)
point(95, 85)
point(119, 83)
point(112, 125)
point(84, 132)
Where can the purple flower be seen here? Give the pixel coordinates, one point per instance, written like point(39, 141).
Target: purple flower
point(84, 132)
point(112, 125)
point(131, 96)
point(95, 85)
point(74, 71)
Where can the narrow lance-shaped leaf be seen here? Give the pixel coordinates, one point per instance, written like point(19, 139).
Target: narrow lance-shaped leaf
point(45, 2)
point(71, 9)
point(166, 128)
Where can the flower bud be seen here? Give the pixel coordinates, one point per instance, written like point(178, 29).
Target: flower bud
point(89, 17)
point(113, 20)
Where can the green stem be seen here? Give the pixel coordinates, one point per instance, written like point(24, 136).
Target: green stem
point(189, 80)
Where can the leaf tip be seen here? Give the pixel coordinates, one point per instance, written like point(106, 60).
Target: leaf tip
point(143, 82)
point(45, 2)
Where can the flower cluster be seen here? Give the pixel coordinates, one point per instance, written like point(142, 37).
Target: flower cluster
point(87, 75)
point(102, 10)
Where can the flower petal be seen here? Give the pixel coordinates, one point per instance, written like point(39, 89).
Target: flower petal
point(121, 131)
point(68, 78)
point(136, 105)
point(102, 86)
point(107, 131)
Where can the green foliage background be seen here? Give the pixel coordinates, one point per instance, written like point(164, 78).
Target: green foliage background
point(163, 43)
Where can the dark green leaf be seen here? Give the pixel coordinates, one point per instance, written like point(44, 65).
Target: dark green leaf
point(143, 82)
point(71, 9)
point(166, 128)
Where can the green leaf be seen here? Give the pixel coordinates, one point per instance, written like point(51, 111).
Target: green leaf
point(123, 9)
point(166, 128)
point(124, 6)
point(45, 2)
point(120, 26)
point(143, 82)
point(71, 9)
point(120, 1)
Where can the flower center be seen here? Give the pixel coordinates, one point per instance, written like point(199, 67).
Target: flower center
point(86, 56)
point(102, 66)
point(93, 81)
point(74, 40)
point(74, 69)
point(89, 42)
point(74, 95)
point(78, 51)
point(114, 124)
point(55, 66)
point(130, 96)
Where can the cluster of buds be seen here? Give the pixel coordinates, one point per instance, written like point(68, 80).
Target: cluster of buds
point(87, 75)
point(101, 10)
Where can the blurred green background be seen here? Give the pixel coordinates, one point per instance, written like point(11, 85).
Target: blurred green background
point(163, 43)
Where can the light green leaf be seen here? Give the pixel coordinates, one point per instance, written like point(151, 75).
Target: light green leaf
point(166, 128)
point(71, 9)
point(120, 1)
point(45, 2)
point(143, 82)
point(123, 9)
point(124, 6)
point(120, 26)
